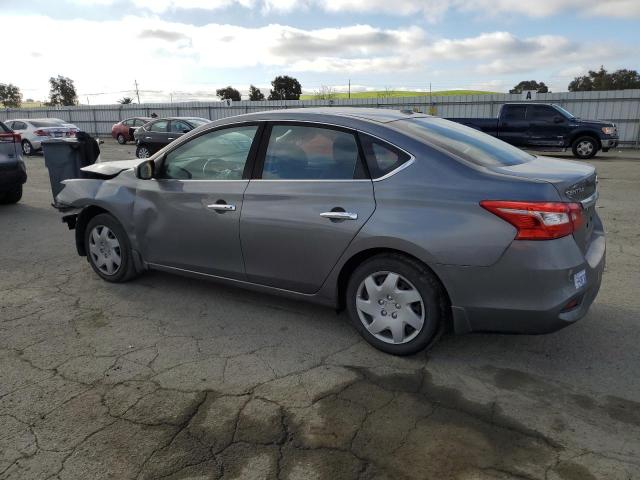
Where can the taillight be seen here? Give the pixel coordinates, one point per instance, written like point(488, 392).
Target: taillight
point(10, 137)
point(538, 220)
point(41, 133)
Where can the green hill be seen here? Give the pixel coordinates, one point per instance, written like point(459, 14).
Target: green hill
point(398, 93)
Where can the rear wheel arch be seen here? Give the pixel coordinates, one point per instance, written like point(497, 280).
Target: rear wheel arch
point(357, 259)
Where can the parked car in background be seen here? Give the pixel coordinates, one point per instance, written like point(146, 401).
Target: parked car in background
point(13, 173)
point(160, 132)
point(123, 131)
point(539, 126)
point(414, 224)
point(34, 131)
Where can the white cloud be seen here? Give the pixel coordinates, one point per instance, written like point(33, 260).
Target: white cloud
point(431, 9)
point(109, 55)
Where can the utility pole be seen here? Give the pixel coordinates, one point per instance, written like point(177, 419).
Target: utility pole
point(349, 89)
point(137, 92)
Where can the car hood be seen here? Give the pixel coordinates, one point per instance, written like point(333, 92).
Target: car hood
point(111, 169)
point(594, 123)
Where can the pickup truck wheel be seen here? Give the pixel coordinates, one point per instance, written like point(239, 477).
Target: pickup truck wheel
point(584, 147)
point(12, 196)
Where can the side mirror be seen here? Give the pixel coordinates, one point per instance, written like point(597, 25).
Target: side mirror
point(557, 119)
point(144, 171)
point(186, 130)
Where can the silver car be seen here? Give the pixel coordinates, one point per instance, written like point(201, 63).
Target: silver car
point(34, 131)
point(413, 224)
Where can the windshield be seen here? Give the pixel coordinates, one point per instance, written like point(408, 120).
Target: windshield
point(46, 123)
point(566, 113)
point(199, 121)
point(464, 142)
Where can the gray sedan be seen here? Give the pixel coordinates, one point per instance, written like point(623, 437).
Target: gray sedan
point(413, 224)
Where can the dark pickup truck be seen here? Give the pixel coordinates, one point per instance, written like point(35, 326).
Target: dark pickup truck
point(540, 126)
point(12, 170)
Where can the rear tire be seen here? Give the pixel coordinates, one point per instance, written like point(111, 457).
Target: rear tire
point(121, 140)
point(12, 196)
point(396, 303)
point(584, 147)
point(143, 151)
point(27, 148)
point(108, 249)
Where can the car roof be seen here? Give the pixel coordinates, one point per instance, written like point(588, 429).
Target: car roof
point(375, 115)
point(178, 118)
point(45, 119)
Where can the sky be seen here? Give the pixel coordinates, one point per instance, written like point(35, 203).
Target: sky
point(182, 50)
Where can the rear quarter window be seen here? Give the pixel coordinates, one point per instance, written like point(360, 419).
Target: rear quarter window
point(382, 158)
point(463, 142)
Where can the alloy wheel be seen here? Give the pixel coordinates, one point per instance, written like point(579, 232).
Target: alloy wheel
point(104, 249)
point(390, 307)
point(585, 148)
point(143, 152)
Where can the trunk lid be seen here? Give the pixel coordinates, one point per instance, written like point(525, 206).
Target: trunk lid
point(574, 181)
point(59, 131)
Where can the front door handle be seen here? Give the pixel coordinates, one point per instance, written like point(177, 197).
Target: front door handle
point(222, 207)
point(339, 215)
point(170, 138)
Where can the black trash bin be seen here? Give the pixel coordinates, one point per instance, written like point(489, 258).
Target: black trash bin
point(64, 157)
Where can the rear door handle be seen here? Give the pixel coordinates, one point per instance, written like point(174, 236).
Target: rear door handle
point(222, 207)
point(339, 215)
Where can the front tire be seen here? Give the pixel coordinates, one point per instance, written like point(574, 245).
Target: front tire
point(143, 151)
point(108, 249)
point(396, 304)
point(121, 140)
point(584, 147)
point(27, 148)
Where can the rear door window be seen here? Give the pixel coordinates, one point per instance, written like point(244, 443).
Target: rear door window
point(299, 152)
point(514, 112)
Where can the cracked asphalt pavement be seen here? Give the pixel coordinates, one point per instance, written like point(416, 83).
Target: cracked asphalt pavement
point(175, 378)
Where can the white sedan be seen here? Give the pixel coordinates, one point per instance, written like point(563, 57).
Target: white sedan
point(36, 130)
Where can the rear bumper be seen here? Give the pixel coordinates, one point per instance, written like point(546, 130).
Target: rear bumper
point(529, 289)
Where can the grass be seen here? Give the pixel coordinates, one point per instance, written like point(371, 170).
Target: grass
point(398, 93)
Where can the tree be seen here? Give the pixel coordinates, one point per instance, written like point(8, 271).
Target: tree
point(10, 95)
point(285, 88)
point(325, 93)
point(526, 85)
point(602, 80)
point(228, 93)
point(125, 100)
point(255, 94)
point(62, 91)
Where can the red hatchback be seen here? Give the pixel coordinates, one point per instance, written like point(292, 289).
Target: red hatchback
point(123, 131)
